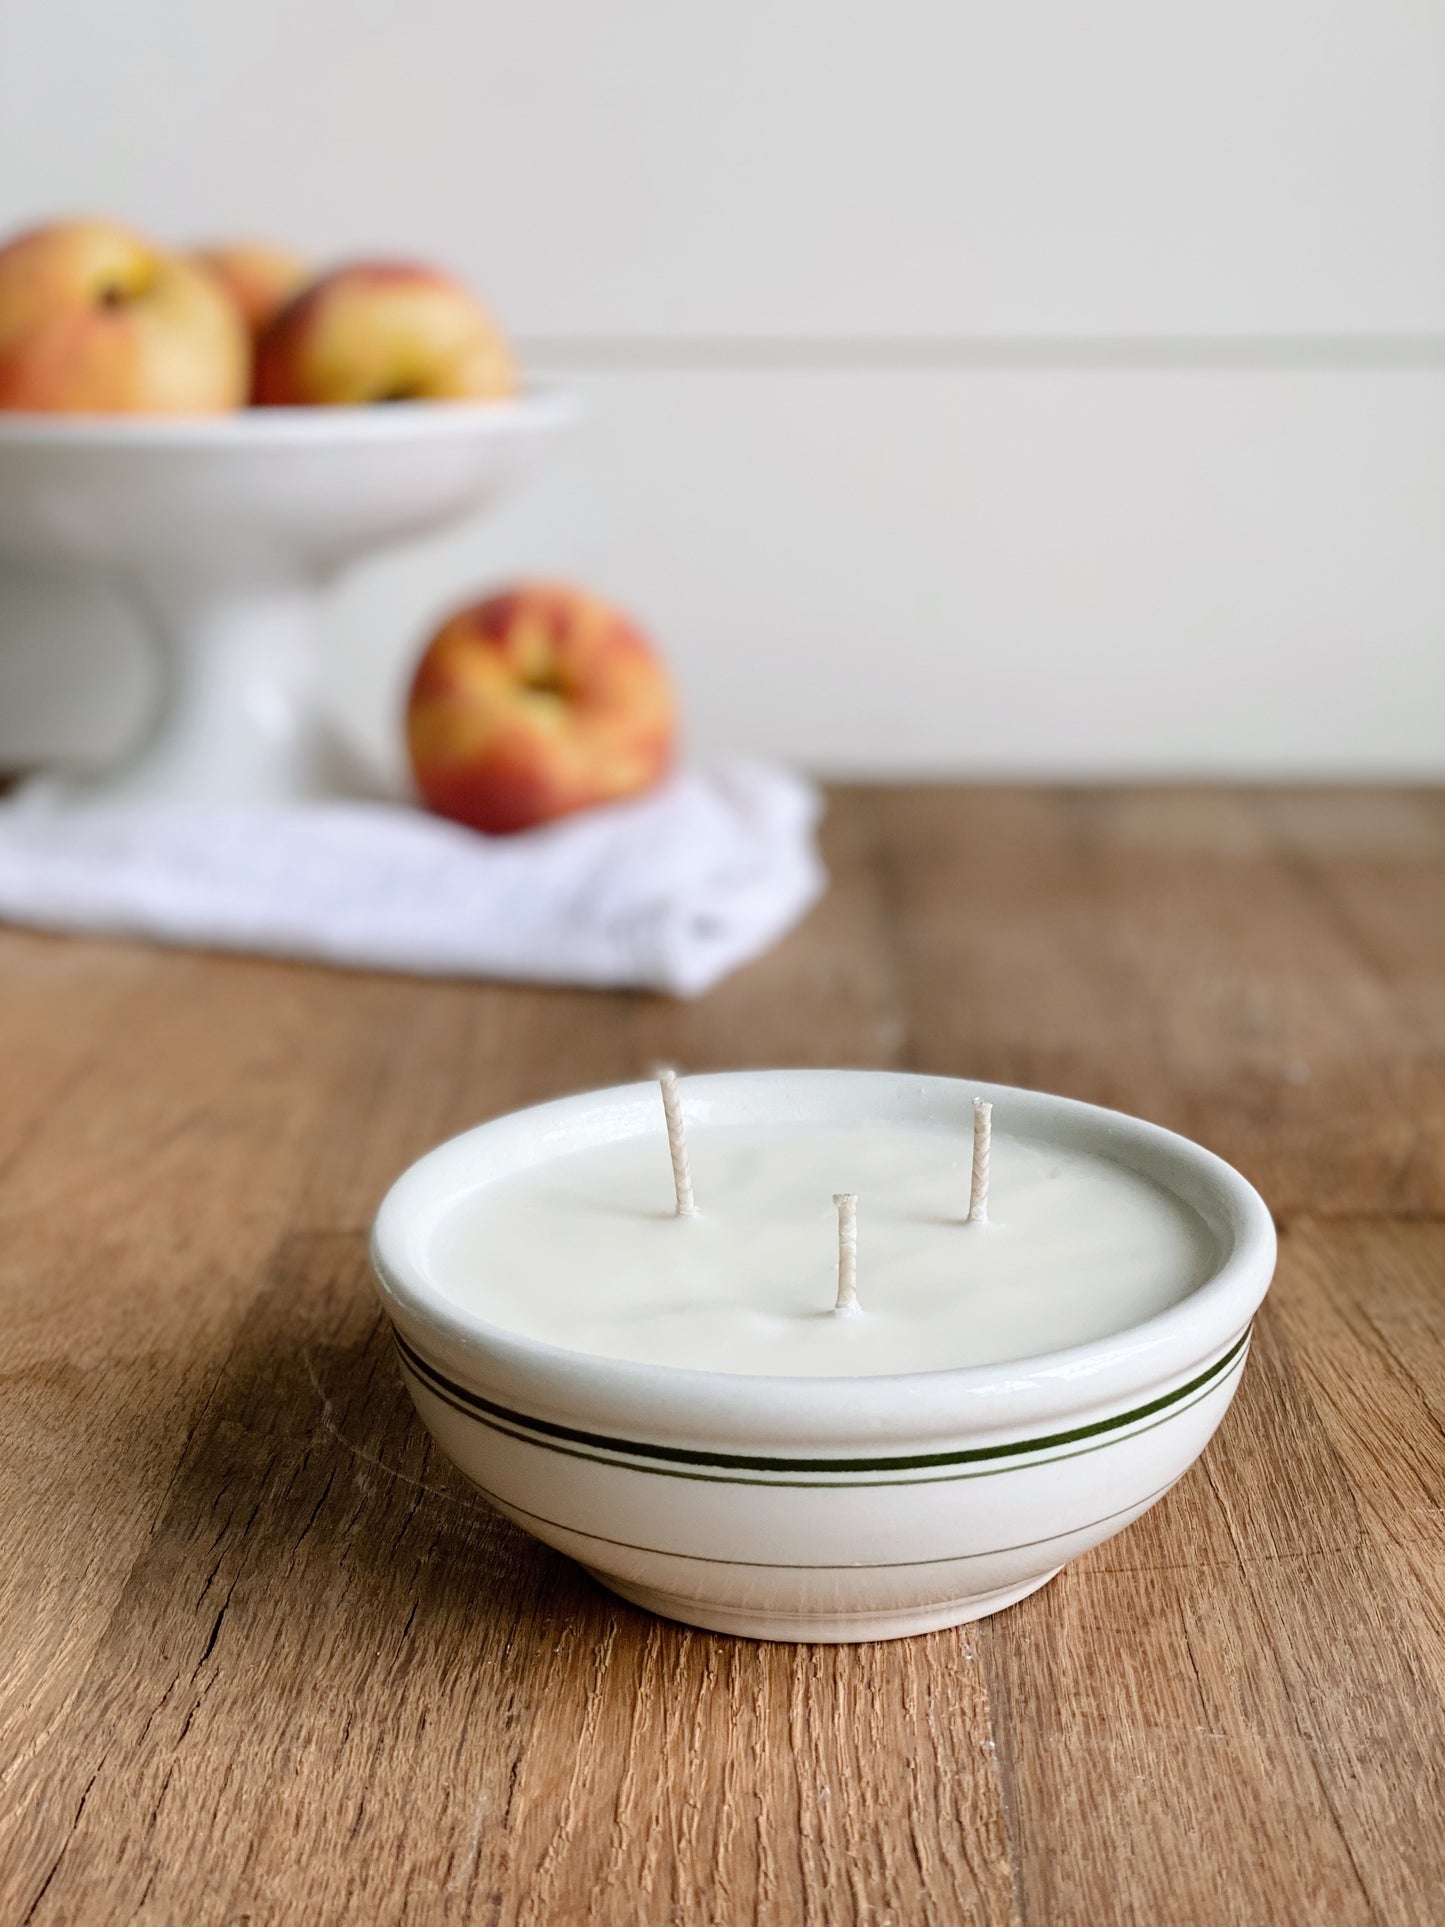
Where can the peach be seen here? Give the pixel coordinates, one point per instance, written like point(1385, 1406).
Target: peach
point(96, 320)
point(259, 277)
point(535, 703)
point(382, 331)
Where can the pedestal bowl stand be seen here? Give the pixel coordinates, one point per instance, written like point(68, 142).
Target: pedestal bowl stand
point(224, 534)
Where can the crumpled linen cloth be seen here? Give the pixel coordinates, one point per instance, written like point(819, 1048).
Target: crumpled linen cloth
point(670, 892)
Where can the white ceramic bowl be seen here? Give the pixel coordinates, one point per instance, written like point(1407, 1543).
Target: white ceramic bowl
point(824, 1508)
point(224, 532)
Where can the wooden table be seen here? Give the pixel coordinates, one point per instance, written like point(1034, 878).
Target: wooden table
point(265, 1658)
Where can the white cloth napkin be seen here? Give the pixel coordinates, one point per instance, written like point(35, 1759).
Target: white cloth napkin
point(670, 892)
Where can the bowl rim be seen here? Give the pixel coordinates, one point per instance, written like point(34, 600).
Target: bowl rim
point(256, 428)
point(673, 1402)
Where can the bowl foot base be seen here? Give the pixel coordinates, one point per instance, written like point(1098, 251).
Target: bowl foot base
point(826, 1628)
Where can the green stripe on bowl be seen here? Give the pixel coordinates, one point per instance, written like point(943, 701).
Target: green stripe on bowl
point(518, 1512)
point(685, 1461)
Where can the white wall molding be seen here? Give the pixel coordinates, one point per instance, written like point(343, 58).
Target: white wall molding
point(639, 353)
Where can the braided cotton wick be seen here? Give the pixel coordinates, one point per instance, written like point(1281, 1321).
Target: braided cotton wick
point(677, 1144)
point(982, 1135)
point(847, 1305)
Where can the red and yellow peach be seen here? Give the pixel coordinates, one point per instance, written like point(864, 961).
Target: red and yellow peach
point(535, 703)
point(382, 331)
point(97, 320)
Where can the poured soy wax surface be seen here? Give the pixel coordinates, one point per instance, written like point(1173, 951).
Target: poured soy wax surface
point(585, 1251)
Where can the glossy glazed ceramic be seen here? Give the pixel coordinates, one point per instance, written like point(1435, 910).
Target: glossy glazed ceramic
point(224, 533)
point(815, 1508)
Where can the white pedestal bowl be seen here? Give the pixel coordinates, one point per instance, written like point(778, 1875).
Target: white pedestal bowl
point(224, 534)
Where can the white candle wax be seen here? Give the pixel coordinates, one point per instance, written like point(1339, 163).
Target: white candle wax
point(587, 1251)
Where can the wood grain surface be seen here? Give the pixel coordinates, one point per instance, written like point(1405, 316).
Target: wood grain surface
point(264, 1656)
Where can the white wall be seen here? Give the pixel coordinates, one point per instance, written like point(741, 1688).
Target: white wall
point(967, 387)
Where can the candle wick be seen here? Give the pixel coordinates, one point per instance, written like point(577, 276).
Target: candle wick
point(982, 1140)
point(677, 1144)
point(847, 1305)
